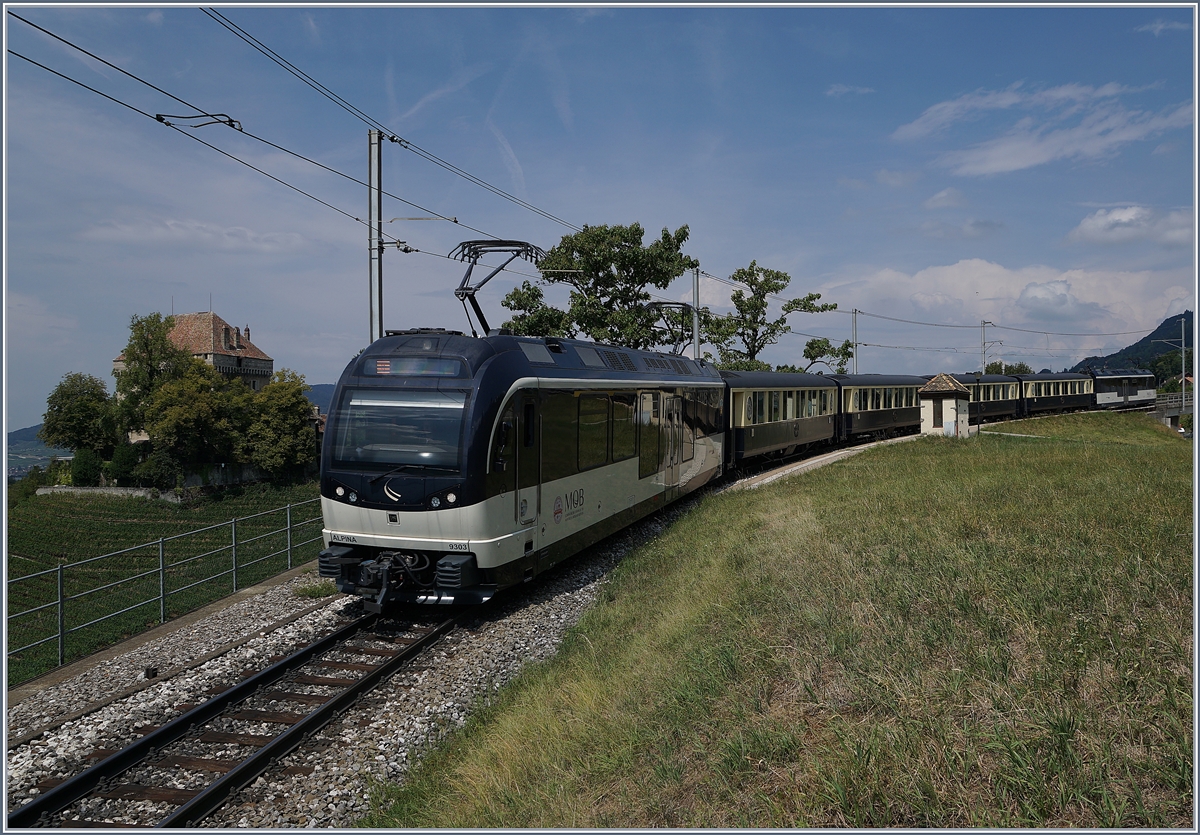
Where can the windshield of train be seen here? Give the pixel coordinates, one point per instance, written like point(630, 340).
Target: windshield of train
point(390, 428)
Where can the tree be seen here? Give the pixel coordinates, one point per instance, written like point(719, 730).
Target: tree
point(741, 338)
point(199, 417)
point(534, 316)
point(608, 270)
point(999, 367)
point(151, 359)
point(79, 415)
point(280, 438)
point(821, 351)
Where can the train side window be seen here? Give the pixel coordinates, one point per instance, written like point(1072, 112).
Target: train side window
point(876, 398)
point(648, 433)
point(529, 435)
point(593, 431)
point(760, 407)
point(624, 434)
point(560, 435)
point(775, 407)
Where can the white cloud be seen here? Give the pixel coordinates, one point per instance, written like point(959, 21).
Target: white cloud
point(1160, 26)
point(32, 322)
point(1053, 301)
point(192, 233)
point(1099, 134)
point(457, 82)
point(155, 17)
point(1135, 223)
point(1067, 122)
point(943, 114)
point(510, 159)
point(945, 199)
point(896, 179)
point(838, 90)
point(310, 26)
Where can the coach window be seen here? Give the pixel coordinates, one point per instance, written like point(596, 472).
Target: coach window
point(593, 431)
point(624, 423)
point(648, 433)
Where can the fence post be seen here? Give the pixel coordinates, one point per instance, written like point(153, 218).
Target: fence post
point(162, 583)
point(233, 530)
point(62, 618)
point(289, 534)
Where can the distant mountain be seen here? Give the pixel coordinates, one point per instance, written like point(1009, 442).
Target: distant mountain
point(320, 396)
point(1142, 353)
point(25, 450)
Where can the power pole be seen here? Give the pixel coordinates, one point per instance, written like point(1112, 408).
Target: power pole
point(375, 231)
point(854, 336)
point(696, 313)
point(1183, 364)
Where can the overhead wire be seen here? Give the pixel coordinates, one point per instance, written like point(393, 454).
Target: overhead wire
point(238, 127)
point(376, 124)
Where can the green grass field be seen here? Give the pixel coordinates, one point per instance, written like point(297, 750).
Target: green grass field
point(51, 530)
point(945, 633)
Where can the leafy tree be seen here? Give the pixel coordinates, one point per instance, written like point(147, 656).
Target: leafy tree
point(79, 415)
point(609, 270)
point(199, 417)
point(739, 339)
point(151, 359)
point(280, 438)
point(534, 316)
point(999, 367)
point(86, 467)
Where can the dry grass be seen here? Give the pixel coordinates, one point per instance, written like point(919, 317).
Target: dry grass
point(941, 634)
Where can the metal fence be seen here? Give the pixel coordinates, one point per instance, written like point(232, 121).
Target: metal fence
point(80, 607)
point(1174, 400)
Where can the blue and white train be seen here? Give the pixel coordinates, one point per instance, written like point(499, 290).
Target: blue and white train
point(454, 467)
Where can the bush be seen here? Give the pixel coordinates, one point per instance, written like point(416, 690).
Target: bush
point(85, 468)
point(125, 460)
point(159, 470)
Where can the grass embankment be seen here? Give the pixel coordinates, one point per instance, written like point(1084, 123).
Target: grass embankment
point(994, 632)
point(59, 529)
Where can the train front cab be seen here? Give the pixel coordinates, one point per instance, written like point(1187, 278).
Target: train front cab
point(1049, 392)
point(878, 405)
point(778, 413)
point(475, 466)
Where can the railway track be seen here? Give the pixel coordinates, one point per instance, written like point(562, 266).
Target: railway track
point(178, 774)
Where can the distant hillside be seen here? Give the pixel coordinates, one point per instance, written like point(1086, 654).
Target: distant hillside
point(320, 396)
point(25, 451)
point(1142, 353)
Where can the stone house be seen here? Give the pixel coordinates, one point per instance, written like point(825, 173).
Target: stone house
point(210, 338)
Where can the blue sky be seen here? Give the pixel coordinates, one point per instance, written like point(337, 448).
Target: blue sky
point(1028, 166)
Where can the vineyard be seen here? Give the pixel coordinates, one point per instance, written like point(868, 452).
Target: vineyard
point(86, 572)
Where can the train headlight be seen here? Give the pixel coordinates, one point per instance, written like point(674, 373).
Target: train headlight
point(451, 497)
point(435, 502)
point(353, 497)
point(341, 491)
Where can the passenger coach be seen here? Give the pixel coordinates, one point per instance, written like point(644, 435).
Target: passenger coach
point(773, 413)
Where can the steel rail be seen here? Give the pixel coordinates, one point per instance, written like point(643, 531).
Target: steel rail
point(63, 795)
point(214, 796)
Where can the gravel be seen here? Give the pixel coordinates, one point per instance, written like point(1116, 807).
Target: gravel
point(378, 740)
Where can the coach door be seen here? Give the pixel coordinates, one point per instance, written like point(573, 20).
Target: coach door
point(529, 447)
point(673, 441)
